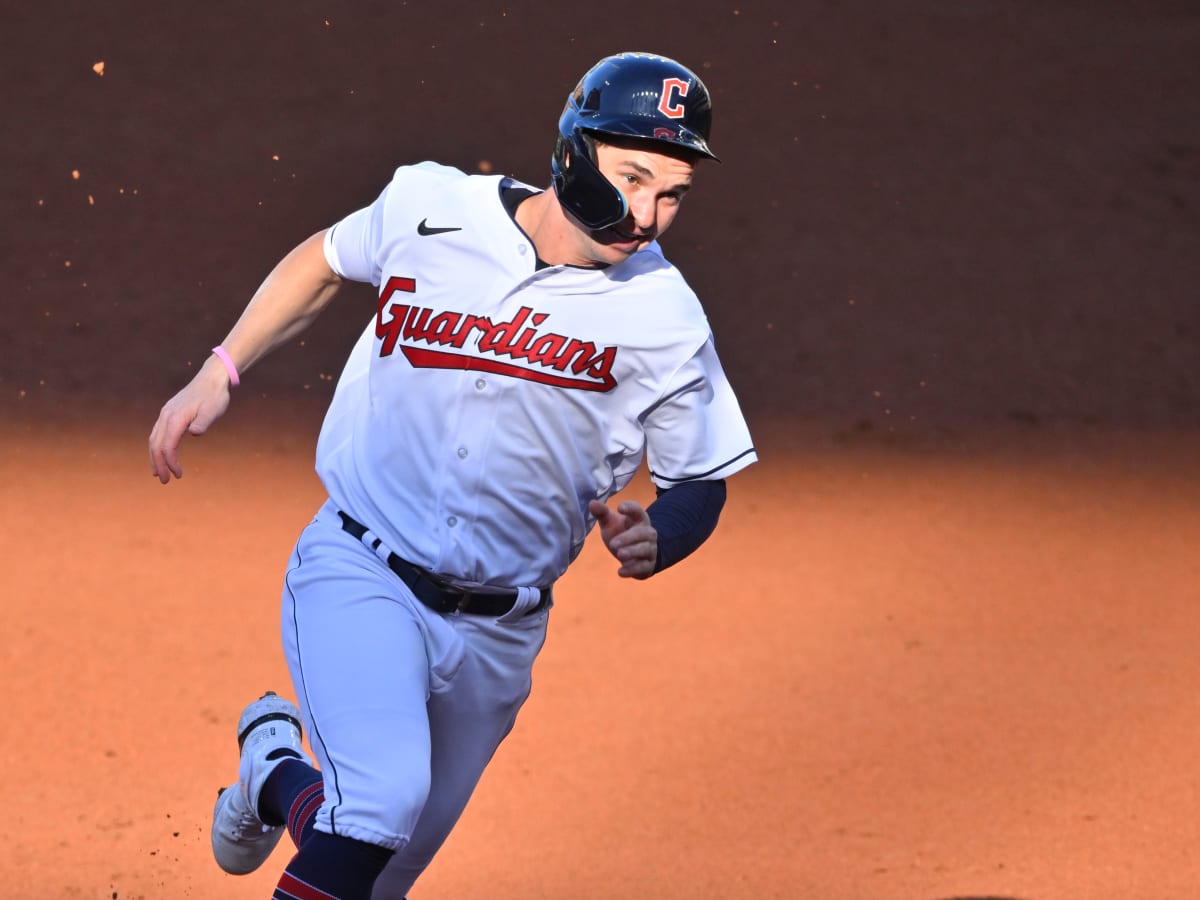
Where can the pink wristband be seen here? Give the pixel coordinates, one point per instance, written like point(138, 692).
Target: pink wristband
point(220, 353)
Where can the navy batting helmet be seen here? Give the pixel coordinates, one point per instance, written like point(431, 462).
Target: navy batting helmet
point(629, 95)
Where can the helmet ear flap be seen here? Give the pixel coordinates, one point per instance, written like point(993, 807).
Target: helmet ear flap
point(581, 187)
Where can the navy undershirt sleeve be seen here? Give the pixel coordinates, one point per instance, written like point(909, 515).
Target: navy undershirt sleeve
point(684, 516)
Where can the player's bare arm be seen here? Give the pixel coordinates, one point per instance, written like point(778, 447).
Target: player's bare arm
point(629, 536)
point(294, 293)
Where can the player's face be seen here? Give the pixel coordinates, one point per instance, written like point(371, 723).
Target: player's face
point(654, 184)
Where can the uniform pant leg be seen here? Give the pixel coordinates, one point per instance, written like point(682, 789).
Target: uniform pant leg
point(363, 663)
point(468, 720)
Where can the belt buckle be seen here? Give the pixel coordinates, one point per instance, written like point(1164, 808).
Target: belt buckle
point(462, 598)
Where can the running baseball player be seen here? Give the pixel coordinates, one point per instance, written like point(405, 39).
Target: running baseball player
point(529, 350)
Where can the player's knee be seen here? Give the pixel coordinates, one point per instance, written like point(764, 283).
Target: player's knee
point(400, 798)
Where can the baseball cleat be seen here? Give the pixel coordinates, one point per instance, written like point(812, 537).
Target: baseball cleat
point(268, 732)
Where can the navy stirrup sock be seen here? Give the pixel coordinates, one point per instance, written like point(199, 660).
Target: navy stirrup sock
point(291, 796)
point(330, 867)
point(327, 867)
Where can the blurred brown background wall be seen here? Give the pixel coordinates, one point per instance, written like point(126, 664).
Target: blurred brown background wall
point(930, 217)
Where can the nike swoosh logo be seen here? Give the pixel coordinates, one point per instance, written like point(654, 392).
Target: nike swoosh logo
point(425, 230)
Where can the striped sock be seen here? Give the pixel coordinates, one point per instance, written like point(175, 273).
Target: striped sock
point(293, 888)
point(329, 867)
point(303, 814)
point(291, 796)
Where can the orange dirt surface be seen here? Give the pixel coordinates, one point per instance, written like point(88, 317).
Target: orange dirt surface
point(893, 673)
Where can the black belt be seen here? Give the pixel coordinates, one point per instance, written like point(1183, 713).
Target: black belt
point(440, 595)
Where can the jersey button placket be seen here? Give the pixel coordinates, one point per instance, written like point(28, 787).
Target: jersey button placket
point(465, 444)
point(463, 453)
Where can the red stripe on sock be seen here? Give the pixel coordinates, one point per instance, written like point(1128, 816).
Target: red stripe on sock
point(292, 888)
point(304, 807)
point(307, 816)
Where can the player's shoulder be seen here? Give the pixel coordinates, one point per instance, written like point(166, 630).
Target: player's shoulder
point(428, 172)
point(651, 284)
point(429, 181)
point(431, 169)
point(651, 269)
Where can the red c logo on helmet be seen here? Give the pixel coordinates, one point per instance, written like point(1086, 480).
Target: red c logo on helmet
point(669, 104)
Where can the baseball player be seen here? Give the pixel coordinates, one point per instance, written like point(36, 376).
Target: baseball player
point(530, 348)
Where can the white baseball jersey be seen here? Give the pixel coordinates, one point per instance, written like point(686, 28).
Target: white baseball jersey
point(490, 400)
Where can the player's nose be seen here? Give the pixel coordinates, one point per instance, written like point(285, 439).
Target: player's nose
point(644, 211)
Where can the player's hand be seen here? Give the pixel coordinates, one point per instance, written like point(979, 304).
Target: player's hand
point(191, 411)
point(629, 536)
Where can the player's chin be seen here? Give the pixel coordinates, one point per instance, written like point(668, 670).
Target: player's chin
point(620, 244)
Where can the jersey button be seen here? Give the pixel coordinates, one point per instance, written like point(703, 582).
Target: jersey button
point(480, 384)
point(462, 452)
point(452, 521)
